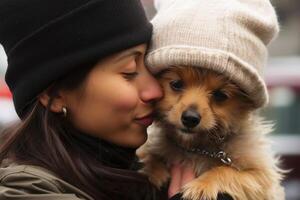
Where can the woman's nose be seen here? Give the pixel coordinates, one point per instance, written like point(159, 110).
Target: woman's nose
point(151, 90)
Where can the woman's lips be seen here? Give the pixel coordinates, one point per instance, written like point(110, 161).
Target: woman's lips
point(145, 121)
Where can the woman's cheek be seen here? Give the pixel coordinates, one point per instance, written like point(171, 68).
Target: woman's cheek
point(127, 99)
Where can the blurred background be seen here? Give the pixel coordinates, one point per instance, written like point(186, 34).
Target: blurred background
point(282, 76)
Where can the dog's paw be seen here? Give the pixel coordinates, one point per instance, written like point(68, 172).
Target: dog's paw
point(200, 189)
point(240, 185)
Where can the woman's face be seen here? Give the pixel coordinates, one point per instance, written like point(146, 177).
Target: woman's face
point(115, 102)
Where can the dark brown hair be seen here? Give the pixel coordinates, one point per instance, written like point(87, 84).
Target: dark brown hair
point(49, 140)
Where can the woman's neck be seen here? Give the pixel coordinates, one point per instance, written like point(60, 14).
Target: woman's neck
point(107, 153)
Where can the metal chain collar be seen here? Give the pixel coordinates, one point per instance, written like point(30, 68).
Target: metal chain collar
point(221, 155)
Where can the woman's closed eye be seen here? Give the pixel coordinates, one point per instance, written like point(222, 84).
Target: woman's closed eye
point(130, 70)
point(130, 75)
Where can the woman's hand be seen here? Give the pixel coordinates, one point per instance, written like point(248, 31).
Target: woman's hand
point(180, 175)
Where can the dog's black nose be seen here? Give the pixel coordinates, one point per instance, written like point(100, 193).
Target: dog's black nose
point(190, 118)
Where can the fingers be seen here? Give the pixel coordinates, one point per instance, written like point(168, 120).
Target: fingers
point(187, 175)
point(180, 175)
point(175, 183)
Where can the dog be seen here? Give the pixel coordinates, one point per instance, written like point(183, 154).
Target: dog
point(205, 120)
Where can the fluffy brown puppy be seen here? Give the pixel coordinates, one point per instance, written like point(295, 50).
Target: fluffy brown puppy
point(207, 121)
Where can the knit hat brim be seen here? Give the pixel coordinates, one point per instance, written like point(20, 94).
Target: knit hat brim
point(213, 59)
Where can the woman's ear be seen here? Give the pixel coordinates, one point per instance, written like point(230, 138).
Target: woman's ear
point(57, 102)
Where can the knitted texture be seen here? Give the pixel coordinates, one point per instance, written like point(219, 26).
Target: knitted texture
point(47, 39)
point(227, 36)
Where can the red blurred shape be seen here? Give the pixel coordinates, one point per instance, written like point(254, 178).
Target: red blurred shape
point(4, 91)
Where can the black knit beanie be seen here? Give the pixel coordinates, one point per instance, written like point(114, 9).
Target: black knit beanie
point(46, 39)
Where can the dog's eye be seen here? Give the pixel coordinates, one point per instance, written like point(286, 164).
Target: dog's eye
point(219, 96)
point(176, 85)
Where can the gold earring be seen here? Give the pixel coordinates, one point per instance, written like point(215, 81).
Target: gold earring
point(64, 110)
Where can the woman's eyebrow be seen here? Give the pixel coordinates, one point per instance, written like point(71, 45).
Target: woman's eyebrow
point(133, 52)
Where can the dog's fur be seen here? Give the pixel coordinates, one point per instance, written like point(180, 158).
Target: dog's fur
point(226, 112)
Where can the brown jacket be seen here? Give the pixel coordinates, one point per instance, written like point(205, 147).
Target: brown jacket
point(29, 182)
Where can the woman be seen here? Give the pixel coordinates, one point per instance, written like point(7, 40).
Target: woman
point(79, 84)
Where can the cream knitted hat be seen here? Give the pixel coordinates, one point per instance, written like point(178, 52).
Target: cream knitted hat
point(228, 36)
